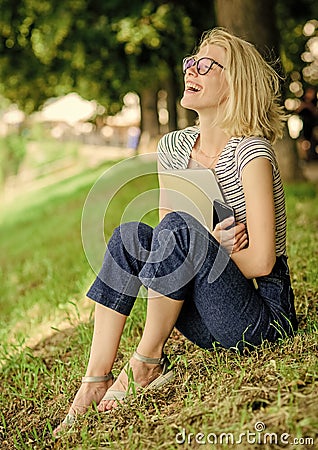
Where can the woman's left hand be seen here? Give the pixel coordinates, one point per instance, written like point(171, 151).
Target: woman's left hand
point(232, 239)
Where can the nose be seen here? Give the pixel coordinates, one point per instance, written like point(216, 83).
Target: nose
point(192, 70)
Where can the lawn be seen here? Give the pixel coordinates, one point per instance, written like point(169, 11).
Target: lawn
point(46, 326)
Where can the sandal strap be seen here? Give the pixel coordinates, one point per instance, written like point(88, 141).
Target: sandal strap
point(97, 379)
point(147, 360)
point(69, 420)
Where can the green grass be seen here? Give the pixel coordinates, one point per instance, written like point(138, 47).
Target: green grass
point(42, 263)
point(44, 276)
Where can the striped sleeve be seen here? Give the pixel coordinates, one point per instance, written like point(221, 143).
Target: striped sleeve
point(165, 146)
point(251, 148)
point(174, 148)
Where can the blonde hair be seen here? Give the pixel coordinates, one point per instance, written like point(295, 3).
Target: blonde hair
point(253, 105)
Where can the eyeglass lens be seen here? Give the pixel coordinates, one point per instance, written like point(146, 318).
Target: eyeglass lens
point(203, 64)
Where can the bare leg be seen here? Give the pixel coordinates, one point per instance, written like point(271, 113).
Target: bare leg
point(108, 328)
point(162, 313)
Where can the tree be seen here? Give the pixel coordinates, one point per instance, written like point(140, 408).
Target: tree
point(98, 49)
point(102, 50)
point(242, 17)
point(49, 48)
point(153, 40)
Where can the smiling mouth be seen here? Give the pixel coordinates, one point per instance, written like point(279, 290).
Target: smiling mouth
point(192, 87)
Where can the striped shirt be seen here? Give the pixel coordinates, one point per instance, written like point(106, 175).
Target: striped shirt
point(174, 150)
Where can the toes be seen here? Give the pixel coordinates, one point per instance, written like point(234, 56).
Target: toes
point(106, 405)
point(112, 405)
point(102, 406)
point(65, 425)
point(62, 428)
point(57, 431)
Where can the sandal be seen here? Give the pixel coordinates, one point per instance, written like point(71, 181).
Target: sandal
point(165, 376)
point(70, 419)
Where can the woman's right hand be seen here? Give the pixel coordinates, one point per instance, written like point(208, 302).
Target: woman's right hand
point(232, 239)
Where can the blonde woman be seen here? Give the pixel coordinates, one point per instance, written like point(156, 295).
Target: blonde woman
point(236, 96)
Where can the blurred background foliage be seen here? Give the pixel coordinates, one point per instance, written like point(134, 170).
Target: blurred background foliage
point(99, 49)
point(104, 49)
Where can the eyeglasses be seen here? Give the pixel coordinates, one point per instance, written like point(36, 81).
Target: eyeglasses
point(204, 65)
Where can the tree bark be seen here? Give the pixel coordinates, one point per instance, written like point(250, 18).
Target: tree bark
point(170, 88)
point(254, 21)
point(150, 129)
point(287, 157)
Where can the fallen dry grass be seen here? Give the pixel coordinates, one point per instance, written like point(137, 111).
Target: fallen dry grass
point(218, 400)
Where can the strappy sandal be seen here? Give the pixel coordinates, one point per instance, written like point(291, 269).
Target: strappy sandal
point(70, 419)
point(166, 375)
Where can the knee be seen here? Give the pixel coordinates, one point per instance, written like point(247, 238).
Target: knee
point(174, 221)
point(131, 234)
point(179, 223)
point(172, 229)
point(180, 219)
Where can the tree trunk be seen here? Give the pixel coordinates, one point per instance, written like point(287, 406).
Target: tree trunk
point(254, 20)
point(150, 129)
point(172, 96)
point(289, 164)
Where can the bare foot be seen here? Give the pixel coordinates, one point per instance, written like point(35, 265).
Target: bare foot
point(87, 394)
point(143, 374)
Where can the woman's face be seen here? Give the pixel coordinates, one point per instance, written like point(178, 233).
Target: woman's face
point(206, 92)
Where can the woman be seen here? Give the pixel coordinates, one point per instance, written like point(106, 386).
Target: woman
point(235, 94)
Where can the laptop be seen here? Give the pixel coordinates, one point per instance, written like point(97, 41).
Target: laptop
point(192, 191)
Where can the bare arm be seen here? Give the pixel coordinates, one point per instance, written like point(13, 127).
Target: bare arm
point(259, 257)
